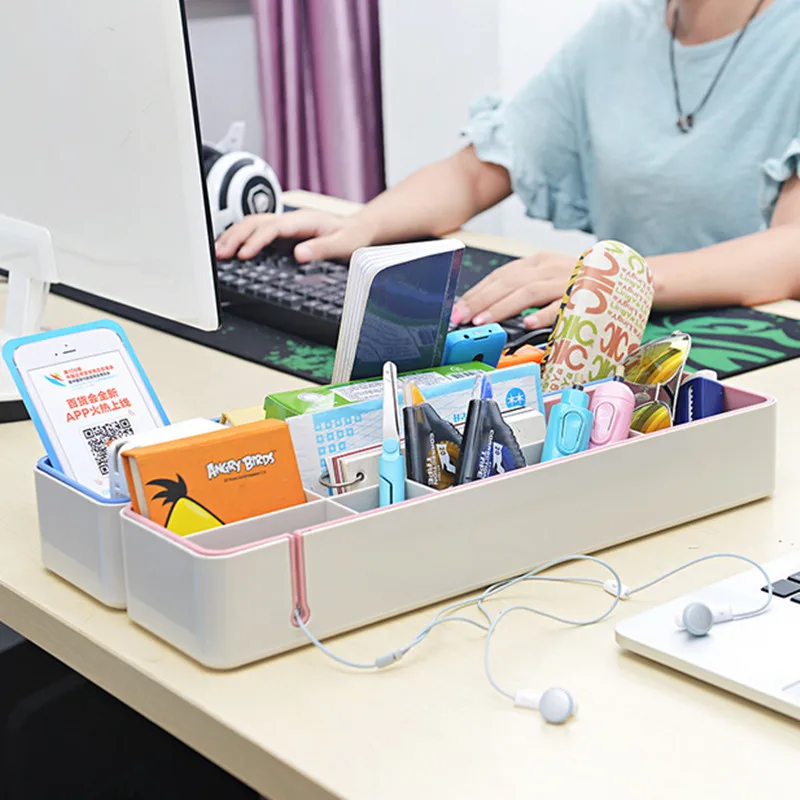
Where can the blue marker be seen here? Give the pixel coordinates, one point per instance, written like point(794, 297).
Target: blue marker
point(391, 465)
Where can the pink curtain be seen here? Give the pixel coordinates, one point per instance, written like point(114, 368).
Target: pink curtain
point(319, 65)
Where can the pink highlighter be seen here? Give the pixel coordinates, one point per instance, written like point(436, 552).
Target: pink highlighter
point(612, 409)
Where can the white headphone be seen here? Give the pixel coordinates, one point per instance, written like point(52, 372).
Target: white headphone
point(239, 183)
point(556, 704)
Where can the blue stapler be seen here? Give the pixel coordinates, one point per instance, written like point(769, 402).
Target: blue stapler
point(701, 395)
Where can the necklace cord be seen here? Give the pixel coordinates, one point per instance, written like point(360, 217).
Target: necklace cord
point(689, 118)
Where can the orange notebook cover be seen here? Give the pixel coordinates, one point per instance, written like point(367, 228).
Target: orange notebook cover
point(202, 482)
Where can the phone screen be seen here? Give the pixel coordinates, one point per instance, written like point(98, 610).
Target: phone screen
point(88, 402)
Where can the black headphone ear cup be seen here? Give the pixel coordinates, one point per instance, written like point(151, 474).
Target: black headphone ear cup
point(210, 157)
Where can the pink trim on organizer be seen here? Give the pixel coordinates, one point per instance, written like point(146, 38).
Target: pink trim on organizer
point(737, 399)
point(300, 598)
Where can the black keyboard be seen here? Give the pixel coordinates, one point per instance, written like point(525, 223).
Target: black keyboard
point(301, 299)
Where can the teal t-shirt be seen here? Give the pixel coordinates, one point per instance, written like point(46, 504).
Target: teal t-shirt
point(591, 143)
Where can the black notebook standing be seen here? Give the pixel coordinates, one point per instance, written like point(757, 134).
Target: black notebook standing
point(397, 308)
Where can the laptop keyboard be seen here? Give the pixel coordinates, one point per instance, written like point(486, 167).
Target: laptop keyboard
point(786, 587)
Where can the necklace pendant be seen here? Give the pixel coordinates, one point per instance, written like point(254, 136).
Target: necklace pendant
point(685, 122)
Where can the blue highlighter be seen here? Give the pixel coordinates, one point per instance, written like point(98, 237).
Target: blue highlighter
point(391, 465)
point(569, 425)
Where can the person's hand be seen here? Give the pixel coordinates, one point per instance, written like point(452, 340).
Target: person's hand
point(537, 281)
point(322, 235)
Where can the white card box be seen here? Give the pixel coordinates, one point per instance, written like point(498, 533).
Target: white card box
point(80, 535)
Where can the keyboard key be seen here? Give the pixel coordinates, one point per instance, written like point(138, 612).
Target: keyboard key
point(783, 588)
point(795, 598)
point(795, 577)
point(267, 292)
point(296, 300)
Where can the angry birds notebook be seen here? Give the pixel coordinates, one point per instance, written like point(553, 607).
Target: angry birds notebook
point(202, 482)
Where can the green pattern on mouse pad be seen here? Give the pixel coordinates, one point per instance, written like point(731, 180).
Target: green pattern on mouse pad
point(731, 341)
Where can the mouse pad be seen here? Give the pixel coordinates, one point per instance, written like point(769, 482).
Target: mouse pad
point(730, 341)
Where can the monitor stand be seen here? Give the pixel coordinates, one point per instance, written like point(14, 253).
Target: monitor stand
point(26, 252)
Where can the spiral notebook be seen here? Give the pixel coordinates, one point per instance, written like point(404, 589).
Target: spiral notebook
point(397, 308)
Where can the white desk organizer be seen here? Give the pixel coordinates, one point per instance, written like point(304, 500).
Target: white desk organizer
point(80, 535)
point(226, 596)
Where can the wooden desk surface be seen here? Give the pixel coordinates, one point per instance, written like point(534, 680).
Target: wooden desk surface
point(299, 726)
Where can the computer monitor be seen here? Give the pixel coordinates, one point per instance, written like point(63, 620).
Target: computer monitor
point(100, 144)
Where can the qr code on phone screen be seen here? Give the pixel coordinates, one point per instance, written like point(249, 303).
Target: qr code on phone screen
point(99, 436)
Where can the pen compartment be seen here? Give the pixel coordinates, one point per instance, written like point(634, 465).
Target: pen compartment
point(360, 501)
point(388, 561)
point(80, 537)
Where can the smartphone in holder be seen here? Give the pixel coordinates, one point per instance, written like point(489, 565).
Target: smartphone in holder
point(84, 388)
point(482, 343)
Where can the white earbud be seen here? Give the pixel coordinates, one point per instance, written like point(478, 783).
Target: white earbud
point(698, 618)
point(555, 705)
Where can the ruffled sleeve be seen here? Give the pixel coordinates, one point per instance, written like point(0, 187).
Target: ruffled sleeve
point(537, 136)
point(775, 172)
point(545, 170)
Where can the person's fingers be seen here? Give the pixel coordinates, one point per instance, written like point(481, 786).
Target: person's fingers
point(234, 237)
point(498, 284)
point(259, 239)
point(544, 317)
point(293, 225)
point(509, 305)
point(337, 245)
point(473, 300)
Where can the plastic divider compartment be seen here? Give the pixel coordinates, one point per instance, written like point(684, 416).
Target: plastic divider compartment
point(80, 535)
point(389, 561)
point(225, 596)
point(368, 499)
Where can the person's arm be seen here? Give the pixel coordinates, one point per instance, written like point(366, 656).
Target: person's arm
point(437, 199)
point(433, 201)
point(747, 271)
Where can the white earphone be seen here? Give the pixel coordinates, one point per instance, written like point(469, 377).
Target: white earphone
point(698, 618)
point(556, 704)
point(238, 183)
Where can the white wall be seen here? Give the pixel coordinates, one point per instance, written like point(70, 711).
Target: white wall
point(436, 56)
point(439, 55)
point(222, 36)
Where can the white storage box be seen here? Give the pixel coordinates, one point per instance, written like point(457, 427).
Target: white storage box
point(226, 597)
point(80, 535)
